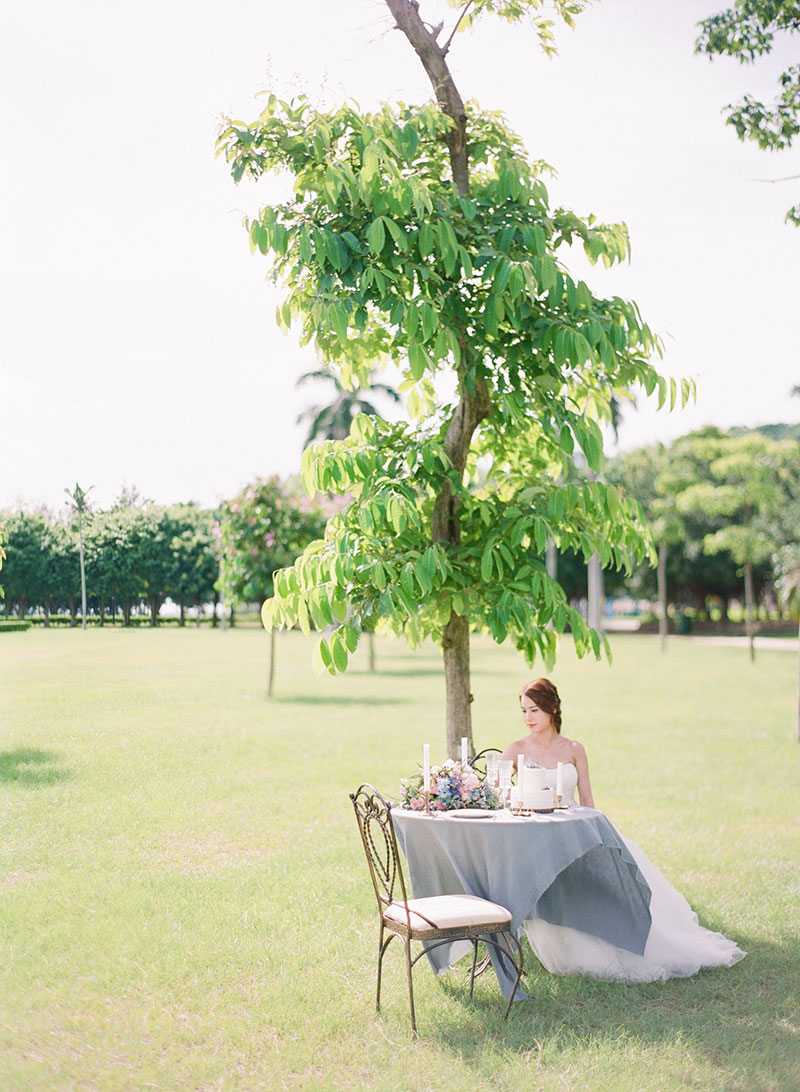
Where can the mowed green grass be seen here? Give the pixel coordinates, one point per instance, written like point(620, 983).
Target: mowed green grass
point(185, 904)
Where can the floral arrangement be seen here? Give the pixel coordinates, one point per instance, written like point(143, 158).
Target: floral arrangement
point(453, 785)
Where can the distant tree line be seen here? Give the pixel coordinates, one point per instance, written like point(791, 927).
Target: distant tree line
point(723, 509)
point(139, 554)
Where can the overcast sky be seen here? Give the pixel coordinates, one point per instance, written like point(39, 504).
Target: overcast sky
point(138, 345)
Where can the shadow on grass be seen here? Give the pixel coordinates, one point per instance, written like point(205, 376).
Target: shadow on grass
point(742, 1020)
point(311, 699)
point(31, 768)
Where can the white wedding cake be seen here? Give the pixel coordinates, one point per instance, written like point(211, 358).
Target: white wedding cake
point(537, 793)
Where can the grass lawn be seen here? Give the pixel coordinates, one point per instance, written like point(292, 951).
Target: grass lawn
point(185, 904)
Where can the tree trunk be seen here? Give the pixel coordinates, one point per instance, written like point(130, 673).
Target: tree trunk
point(83, 571)
point(662, 594)
point(182, 608)
point(371, 650)
point(594, 593)
point(155, 607)
point(101, 611)
point(47, 612)
point(748, 609)
point(271, 675)
point(551, 559)
point(474, 404)
point(432, 55)
point(455, 646)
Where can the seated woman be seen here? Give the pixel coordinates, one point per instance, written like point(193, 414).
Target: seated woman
point(677, 945)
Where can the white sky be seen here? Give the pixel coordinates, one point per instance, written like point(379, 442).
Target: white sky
point(137, 340)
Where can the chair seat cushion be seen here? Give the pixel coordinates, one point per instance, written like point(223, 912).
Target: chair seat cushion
point(448, 912)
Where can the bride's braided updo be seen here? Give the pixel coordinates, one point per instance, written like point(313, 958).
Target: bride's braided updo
point(545, 695)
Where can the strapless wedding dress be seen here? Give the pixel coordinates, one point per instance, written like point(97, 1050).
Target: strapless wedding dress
point(677, 945)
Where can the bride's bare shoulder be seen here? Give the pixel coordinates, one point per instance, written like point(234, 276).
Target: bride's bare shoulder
point(513, 749)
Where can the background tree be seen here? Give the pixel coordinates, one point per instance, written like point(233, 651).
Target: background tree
point(263, 529)
point(195, 563)
point(79, 503)
point(3, 540)
point(745, 497)
point(425, 234)
point(332, 421)
point(115, 575)
point(787, 565)
point(746, 31)
point(25, 572)
point(645, 475)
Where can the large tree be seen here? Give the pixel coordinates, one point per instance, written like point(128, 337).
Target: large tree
point(747, 30)
point(425, 234)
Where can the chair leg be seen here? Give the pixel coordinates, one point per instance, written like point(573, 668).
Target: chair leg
point(517, 965)
point(382, 945)
point(474, 965)
point(407, 950)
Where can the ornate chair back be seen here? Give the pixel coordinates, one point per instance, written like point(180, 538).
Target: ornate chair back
point(374, 818)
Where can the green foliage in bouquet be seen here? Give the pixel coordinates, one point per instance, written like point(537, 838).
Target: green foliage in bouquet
point(453, 785)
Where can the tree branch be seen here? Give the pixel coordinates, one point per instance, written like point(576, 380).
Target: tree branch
point(407, 18)
point(464, 11)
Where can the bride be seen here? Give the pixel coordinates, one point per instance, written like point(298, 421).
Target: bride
point(677, 944)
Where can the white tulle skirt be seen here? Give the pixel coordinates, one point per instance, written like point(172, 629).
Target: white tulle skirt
point(677, 945)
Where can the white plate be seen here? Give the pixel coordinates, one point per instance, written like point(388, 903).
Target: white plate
point(470, 813)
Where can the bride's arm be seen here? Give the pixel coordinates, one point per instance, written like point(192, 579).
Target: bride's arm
point(584, 785)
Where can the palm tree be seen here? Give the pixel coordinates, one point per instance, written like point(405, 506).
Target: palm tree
point(78, 500)
point(332, 421)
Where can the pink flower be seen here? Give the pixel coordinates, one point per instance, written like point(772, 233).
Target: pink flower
point(417, 804)
point(471, 781)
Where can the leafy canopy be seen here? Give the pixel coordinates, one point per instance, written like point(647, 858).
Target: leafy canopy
point(747, 31)
point(382, 259)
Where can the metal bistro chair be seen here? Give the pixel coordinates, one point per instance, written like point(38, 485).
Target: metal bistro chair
point(436, 920)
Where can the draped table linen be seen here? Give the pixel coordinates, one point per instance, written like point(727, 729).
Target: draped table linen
point(569, 868)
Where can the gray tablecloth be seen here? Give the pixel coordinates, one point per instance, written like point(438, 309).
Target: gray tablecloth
point(569, 868)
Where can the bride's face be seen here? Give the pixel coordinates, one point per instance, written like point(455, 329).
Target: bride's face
point(536, 720)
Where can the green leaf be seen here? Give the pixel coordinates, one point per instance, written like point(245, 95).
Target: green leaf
point(397, 234)
point(487, 565)
point(376, 235)
point(302, 616)
point(350, 637)
point(338, 607)
point(339, 651)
